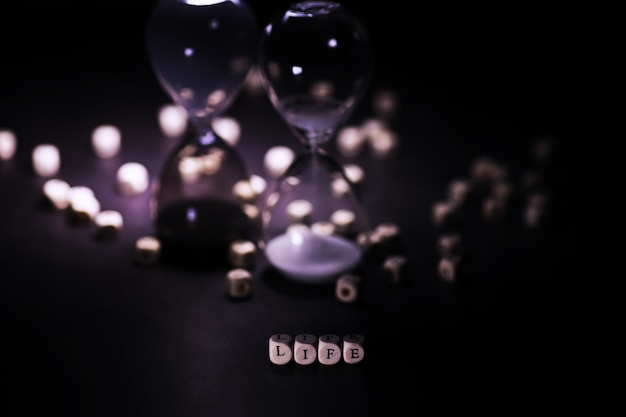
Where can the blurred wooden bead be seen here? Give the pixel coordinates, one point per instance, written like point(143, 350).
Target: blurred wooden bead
point(442, 211)
point(329, 349)
point(448, 268)
point(228, 128)
point(56, 192)
point(343, 220)
point(354, 173)
point(394, 269)
point(388, 232)
point(534, 213)
point(459, 190)
point(244, 192)
point(382, 143)
point(109, 224)
point(347, 288)
point(385, 103)
point(132, 178)
point(449, 243)
point(242, 253)
point(494, 208)
point(324, 228)
point(83, 204)
point(350, 140)
point(485, 169)
point(239, 283)
point(305, 349)
point(147, 250)
point(280, 349)
point(277, 159)
point(8, 144)
point(46, 160)
point(353, 351)
point(106, 141)
point(172, 120)
point(299, 211)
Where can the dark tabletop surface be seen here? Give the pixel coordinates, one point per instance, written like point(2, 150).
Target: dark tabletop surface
point(86, 332)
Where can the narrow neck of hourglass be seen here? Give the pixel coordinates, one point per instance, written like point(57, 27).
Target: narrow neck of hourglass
point(314, 148)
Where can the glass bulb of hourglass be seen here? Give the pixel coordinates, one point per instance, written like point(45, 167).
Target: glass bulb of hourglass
point(316, 61)
point(201, 52)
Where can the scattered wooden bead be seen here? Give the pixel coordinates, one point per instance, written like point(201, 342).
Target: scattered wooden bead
point(486, 169)
point(56, 192)
point(8, 144)
point(385, 103)
point(277, 159)
point(383, 142)
point(448, 268)
point(449, 243)
point(322, 227)
point(83, 204)
point(299, 211)
point(394, 269)
point(350, 140)
point(458, 190)
point(239, 283)
point(244, 192)
point(494, 208)
point(173, 120)
point(109, 224)
point(106, 141)
point(535, 213)
point(228, 128)
point(132, 178)
point(442, 211)
point(147, 250)
point(343, 220)
point(354, 173)
point(46, 160)
point(242, 254)
point(347, 288)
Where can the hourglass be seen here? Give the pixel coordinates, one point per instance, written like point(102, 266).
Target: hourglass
point(316, 61)
point(202, 52)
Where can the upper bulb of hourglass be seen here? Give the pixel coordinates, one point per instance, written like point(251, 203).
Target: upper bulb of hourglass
point(202, 52)
point(316, 61)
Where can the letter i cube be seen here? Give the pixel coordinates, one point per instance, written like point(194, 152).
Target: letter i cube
point(304, 349)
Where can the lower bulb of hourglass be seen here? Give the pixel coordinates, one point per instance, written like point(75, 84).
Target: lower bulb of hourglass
point(312, 221)
point(199, 206)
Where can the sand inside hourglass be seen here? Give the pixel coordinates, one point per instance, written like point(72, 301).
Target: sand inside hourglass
point(312, 257)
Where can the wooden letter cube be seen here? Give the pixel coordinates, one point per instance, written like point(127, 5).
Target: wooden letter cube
point(353, 351)
point(347, 288)
point(304, 349)
point(239, 283)
point(280, 350)
point(328, 349)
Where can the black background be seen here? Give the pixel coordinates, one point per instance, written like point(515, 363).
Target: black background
point(87, 333)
